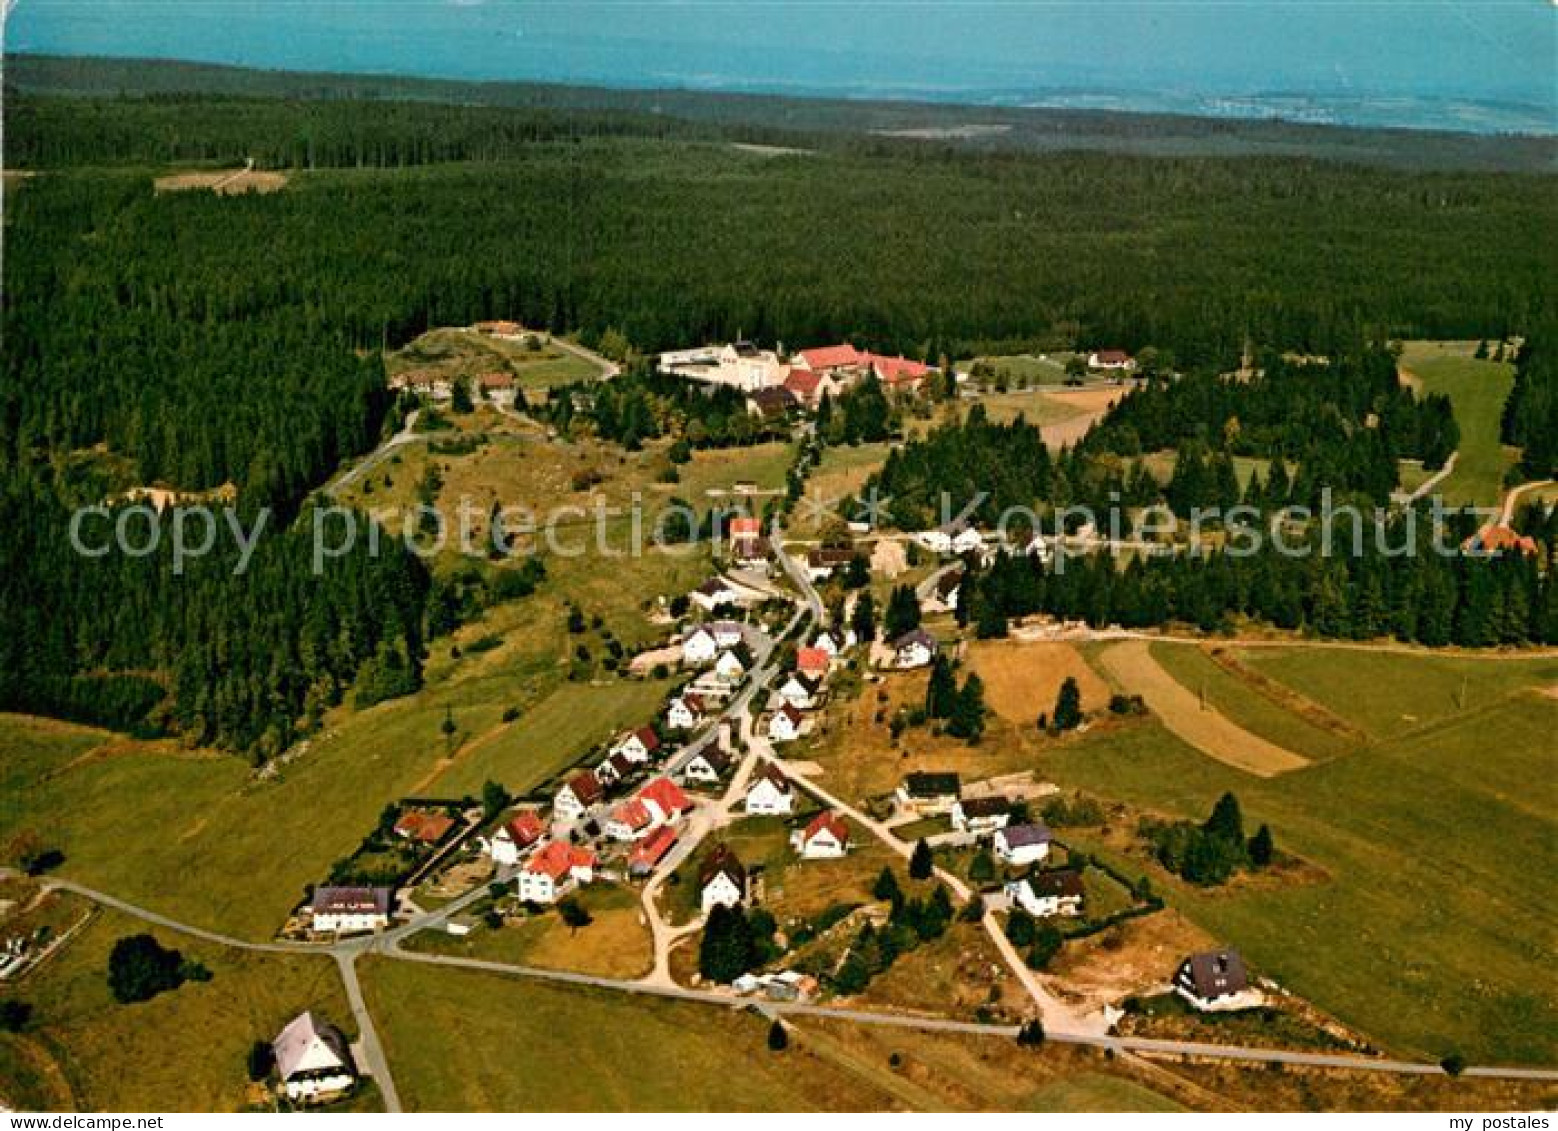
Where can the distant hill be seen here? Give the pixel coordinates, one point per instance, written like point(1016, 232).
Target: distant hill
point(972, 127)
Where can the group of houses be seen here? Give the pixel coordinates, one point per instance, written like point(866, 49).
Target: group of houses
point(776, 383)
point(803, 688)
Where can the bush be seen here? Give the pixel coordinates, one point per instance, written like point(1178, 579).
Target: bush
point(140, 968)
point(262, 1058)
point(1047, 941)
point(1454, 1064)
point(14, 1016)
point(778, 1039)
point(1031, 1035)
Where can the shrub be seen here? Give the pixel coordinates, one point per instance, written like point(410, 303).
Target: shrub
point(262, 1058)
point(778, 1038)
point(140, 968)
point(1031, 1035)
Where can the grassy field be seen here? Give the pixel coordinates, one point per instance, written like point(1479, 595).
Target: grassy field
point(1226, 693)
point(1424, 921)
point(460, 1040)
point(1092, 1091)
point(1388, 694)
point(181, 1051)
point(1477, 391)
point(453, 352)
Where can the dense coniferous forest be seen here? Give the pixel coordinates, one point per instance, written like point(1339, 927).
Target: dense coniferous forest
point(195, 340)
point(1531, 413)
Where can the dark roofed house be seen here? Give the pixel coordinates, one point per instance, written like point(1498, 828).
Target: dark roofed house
point(981, 814)
point(1023, 844)
point(722, 880)
point(925, 792)
point(344, 909)
point(313, 1060)
point(771, 403)
point(914, 649)
point(1214, 979)
point(1044, 894)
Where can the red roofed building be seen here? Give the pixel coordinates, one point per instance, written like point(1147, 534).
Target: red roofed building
point(516, 835)
point(554, 871)
point(650, 851)
point(630, 820)
point(898, 372)
point(812, 661)
point(665, 800)
point(826, 837)
point(1110, 359)
point(825, 358)
point(427, 828)
point(1497, 539)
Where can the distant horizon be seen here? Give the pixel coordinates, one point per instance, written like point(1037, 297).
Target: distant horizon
point(1483, 69)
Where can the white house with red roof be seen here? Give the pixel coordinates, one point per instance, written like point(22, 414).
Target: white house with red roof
point(514, 838)
point(665, 801)
point(829, 359)
point(1111, 360)
point(900, 372)
point(554, 871)
point(813, 662)
point(629, 821)
point(826, 837)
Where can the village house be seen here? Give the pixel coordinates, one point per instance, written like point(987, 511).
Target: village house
point(1496, 539)
point(707, 766)
point(1216, 981)
point(800, 691)
point(554, 871)
point(714, 594)
point(808, 387)
point(648, 852)
point(813, 663)
point(1113, 360)
point(638, 745)
point(914, 649)
point(744, 527)
point(727, 633)
point(834, 643)
point(496, 387)
point(629, 821)
point(699, 647)
point(751, 554)
point(785, 724)
point(981, 815)
point(722, 881)
point(831, 360)
point(943, 596)
point(615, 769)
point(825, 837)
point(344, 910)
point(770, 793)
point(578, 796)
point(313, 1060)
point(773, 403)
point(928, 793)
point(423, 827)
point(1022, 844)
point(685, 712)
point(665, 801)
point(513, 838)
point(899, 374)
point(1048, 893)
point(729, 669)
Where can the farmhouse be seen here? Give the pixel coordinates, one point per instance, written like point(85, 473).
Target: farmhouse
point(914, 649)
point(665, 801)
point(650, 851)
point(638, 745)
point(1048, 893)
point(511, 840)
point(744, 527)
point(832, 360)
point(685, 712)
point(784, 725)
point(707, 766)
point(826, 837)
point(699, 647)
point(578, 796)
point(313, 1060)
point(770, 793)
point(1117, 360)
point(423, 827)
point(727, 633)
point(1022, 844)
point(1215, 981)
point(898, 373)
point(929, 793)
point(831, 642)
point(981, 815)
point(751, 554)
point(341, 910)
point(722, 881)
point(554, 871)
point(808, 387)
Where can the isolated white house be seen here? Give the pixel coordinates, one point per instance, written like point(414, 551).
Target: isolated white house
point(914, 649)
point(714, 594)
point(313, 1060)
point(784, 725)
point(1022, 844)
point(1216, 981)
point(770, 794)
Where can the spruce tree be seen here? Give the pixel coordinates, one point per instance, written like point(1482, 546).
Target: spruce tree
point(1068, 705)
point(920, 863)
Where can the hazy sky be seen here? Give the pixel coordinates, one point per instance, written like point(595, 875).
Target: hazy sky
point(1479, 49)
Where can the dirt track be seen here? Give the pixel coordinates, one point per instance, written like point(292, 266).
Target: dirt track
point(1182, 713)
